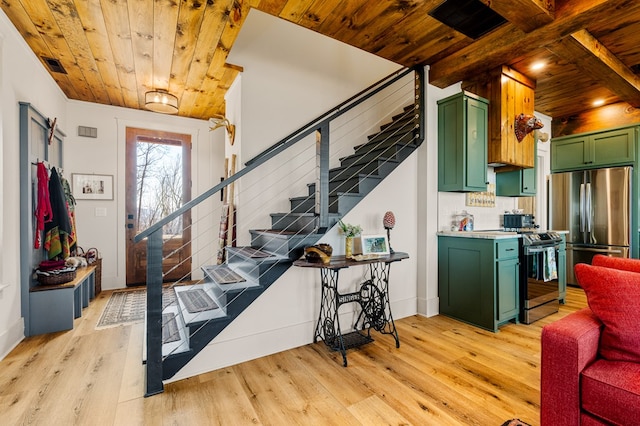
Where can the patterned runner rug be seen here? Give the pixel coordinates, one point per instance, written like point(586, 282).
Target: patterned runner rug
point(197, 300)
point(129, 306)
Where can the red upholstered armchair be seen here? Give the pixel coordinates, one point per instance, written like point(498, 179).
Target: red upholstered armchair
point(591, 358)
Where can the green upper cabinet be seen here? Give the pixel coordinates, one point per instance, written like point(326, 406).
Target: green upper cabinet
point(517, 183)
point(462, 143)
point(603, 149)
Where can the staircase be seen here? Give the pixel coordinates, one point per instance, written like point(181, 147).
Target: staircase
point(179, 329)
point(249, 271)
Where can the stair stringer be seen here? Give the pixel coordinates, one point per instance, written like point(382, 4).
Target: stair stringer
point(261, 330)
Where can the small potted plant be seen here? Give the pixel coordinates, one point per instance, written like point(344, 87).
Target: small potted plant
point(349, 232)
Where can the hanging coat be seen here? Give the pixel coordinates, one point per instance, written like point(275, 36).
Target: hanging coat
point(58, 230)
point(43, 208)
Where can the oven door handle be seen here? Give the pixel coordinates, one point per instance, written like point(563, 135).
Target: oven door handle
point(529, 250)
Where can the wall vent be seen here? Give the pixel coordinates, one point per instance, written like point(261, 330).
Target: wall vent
point(54, 65)
point(470, 17)
point(89, 132)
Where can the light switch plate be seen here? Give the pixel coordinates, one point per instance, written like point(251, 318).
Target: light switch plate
point(101, 211)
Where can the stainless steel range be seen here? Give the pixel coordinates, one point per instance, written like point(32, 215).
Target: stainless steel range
point(539, 285)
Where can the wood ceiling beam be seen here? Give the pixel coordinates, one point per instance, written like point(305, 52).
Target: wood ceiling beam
point(527, 15)
point(501, 45)
point(584, 50)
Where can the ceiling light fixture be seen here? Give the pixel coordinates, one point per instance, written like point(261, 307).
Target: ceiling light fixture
point(598, 102)
point(161, 101)
point(538, 66)
point(218, 121)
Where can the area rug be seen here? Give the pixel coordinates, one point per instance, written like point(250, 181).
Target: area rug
point(128, 307)
point(515, 422)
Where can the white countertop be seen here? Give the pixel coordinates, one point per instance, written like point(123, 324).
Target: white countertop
point(488, 235)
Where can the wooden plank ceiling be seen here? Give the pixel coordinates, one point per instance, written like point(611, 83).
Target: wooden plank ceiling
point(114, 51)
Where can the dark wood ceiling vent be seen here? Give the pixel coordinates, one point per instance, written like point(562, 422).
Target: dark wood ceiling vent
point(54, 65)
point(470, 17)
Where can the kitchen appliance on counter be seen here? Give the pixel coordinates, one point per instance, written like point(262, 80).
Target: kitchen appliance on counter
point(595, 207)
point(518, 221)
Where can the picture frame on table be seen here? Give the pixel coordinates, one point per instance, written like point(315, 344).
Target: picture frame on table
point(376, 244)
point(92, 186)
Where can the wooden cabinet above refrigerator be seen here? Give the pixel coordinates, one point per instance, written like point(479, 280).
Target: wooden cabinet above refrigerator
point(510, 94)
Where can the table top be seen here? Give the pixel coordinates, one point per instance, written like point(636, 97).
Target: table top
point(339, 262)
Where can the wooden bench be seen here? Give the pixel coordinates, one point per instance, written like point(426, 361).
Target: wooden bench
point(54, 307)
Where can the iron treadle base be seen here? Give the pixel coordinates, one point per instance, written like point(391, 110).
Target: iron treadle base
point(351, 340)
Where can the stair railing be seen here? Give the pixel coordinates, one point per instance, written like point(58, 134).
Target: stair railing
point(319, 126)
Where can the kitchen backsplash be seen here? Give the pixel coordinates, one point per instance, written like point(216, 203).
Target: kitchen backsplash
point(452, 203)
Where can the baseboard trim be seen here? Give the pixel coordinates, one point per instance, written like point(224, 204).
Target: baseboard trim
point(11, 337)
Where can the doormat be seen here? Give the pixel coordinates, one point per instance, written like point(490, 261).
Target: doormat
point(170, 331)
point(222, 274)
point(197, 300)
point(251, 252)
point(128, 307)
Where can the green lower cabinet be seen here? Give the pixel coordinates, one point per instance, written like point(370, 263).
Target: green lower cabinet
point(508, 303)
point(478, 280)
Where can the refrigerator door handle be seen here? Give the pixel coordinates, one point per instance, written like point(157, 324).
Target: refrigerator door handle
point(589, 210)
point(597, 250)
point(582, 209)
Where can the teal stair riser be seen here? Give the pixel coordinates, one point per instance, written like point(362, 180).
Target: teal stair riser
point(392, 137)
point(283, 245)
point(340, 203)
point(360, 184)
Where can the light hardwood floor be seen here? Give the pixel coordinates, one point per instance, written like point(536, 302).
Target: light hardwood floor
point(444, 373)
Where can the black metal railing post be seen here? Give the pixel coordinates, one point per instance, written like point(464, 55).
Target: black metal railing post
point(322, 177)
point(420, 101)
point(154, 314)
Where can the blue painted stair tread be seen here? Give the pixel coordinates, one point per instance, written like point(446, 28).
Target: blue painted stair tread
point(251, 252)
point(170, 331)
point(197, 300)
point(224, 275)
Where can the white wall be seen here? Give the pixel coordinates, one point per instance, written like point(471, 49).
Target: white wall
point(106, 155)
point(23, 79)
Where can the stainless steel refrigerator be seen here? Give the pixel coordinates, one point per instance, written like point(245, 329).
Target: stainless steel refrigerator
point(595, 207)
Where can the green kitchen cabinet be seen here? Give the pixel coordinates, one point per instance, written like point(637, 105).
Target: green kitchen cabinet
point(592, 150)
point(478, 280)
point(517, 183)
point(462, 143)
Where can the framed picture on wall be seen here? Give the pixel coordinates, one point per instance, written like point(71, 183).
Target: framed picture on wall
point(375, 245)
point(92, 187)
